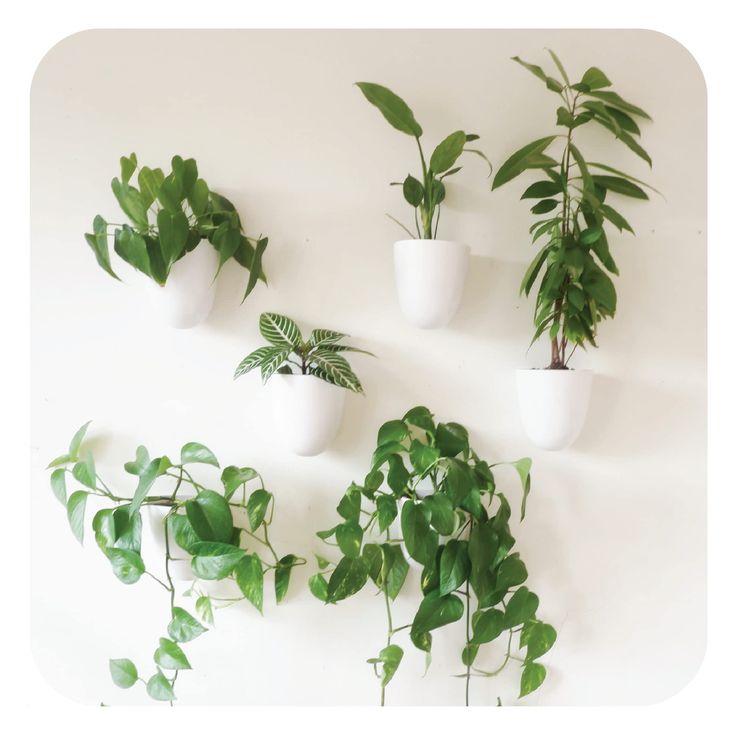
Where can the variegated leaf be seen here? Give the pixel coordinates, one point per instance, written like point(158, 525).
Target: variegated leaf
point(279, 330)
point(334, 369)
point(324, 337)
point(252, 361)
point(273, 362)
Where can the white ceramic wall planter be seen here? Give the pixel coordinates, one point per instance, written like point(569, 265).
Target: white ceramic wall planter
point(307, 412)
point(553, 405)
point(189, 293)
point(430, 277)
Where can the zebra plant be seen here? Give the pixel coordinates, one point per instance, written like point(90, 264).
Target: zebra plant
point(290, 353)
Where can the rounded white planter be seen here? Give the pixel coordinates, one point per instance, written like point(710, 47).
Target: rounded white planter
point(307, 412)
point(553, 405)
point(430, 277)
point(189, 293)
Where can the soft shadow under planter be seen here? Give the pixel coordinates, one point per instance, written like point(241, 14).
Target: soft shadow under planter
point(430, 277)
point(307, 412)
point(189, 293)
point(553, 405)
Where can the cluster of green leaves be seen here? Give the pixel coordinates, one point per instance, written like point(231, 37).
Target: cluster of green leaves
point(319, 355)
point(168, 217)
point(575, 291)
point(427, 193)
point(202, 525)
point(458, 532)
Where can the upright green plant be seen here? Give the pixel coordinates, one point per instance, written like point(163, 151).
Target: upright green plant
point(319, 355)
point(426, 193)
point(203, 525)
point(455, 524)
point(575, 292)
point(169, 215)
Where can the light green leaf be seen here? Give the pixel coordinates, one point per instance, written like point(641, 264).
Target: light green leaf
point(283, 575)
point(204, 609)
point(594, 78)
point(523, 468)
point(215, 560)
point(392, 107)
point(159, 688)
point(183, 626)
point(193, 452)
point(249, 577)
point(75, 513)
point(58, 485)
point(123, 672)
point(393, 431)
point(170, 656)
point(257, 507)
point(532, 676)
point(521, 607)
point(538, 638)
point(127, 564)
point(447, 152)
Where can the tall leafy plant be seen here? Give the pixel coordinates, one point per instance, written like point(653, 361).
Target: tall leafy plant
point(426, 192)
point(454, 522)
point(205, 524)
point(573, 201)
point(168, 216)
point(319, 355)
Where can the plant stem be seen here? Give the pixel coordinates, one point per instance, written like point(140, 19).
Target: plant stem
point(388, 636)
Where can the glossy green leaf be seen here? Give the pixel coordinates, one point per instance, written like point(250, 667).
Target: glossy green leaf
point(123, 672)
point(75, 508)
point(542, 189)
point(451, 439)
point(149, 182)
point(393, 431)
point(97, 241)
point(132, 248)
point(169, 656)
point(194, 452)
point(183, 626)
point(538, 638)
point(458, 481)
point(487, 626)
point(521, 160)
point(447, 152)
point(349, 537)
point(249, 577)
point(279, 330)
point(84, 472)
point(347, 578)
point(454, 566)
point(392, 107)
point(137, 466)
point(58, 485)
point(413, 191)
point(420, 417)
point(233, 478)
point(390, 658)
point(532, 676)
point(335, 369)
point(131, 202)
point(215, 560)
point(521, 607)
point(128, 165)
point(544, 206)
point(349, 506)
point(482, 545)
point(127, 564)
point(523, 468)
point(421, 541)
point(435, 611)
point(387, 511)
point(257, 506)
point(210, 517)
point(620, 186)
point(256, 267)
point(423, 457)
point(203, 606)
point(253, 360)
point(442, 513)
point(282, 576)
point(318, 587)
point(181, 530)
point(511, 572)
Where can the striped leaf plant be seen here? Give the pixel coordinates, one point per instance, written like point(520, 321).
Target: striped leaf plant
point(288, 352)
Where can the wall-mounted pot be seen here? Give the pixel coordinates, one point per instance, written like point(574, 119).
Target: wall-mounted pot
point(189, 293)
point(430, 277)
point(307, 412)
point(553, 405)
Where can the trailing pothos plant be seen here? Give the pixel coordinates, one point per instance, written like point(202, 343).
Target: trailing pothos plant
point(575, 293)
point(203, 524)
point(427, 192)
point(169, 215)
point(454, 522)
point(290, 353)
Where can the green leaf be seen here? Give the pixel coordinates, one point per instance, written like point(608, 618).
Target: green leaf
point(451, 439)
point(600, 287)
point(594, 78)
point(394, 569)
point(544, 206)
point(128, 165)
point(76, 443)
point(137, 466)
point(520, 608)
point(420, 417)
point(533, 271)
point(159, 688)
point(454, 566)
point(131, 202)
point(520, 161)
point(387, 511)
point(347, 578)
point(390, 657)
point(615, 218)
point(233, 477)
point(421, 541)
point(532, 676)
point(511, 572)
point(170, 656)
point(249, 577)
point(149, 182)
point(123, 672)
point(84, 472)
point(482, 546)
point(256, 267)
point(257, 507)
point(131, 247)
point(435, 611)
point(541, 189)
point(538, 72)
point(349, 506)
point(185, 172)
point(318, 587)
point(393, 431)
point(422, 457)
point(334, 369)
point(442, 513)
point(620, 186)
point(279, 330)
point(325, 337)
point(173, 231)
point(97, 240)
point(458, 481)
point(538, 638)
point(349, 537)
point(615, 100)
point(210, 516)
point(75, 513)
point(283, 575)
point(215, 560)
point(204, 609)
point(470, 652)
point(126, 564)
point(447, 152)
point(253, 360)
point(487, 626)
point(392, 107)
point(183, 626)
point(273, 361)
point(182, 531)
point(559, 66)
point(523, 468)
point(58, 485)
point(193, 452)
point(590, 235)
point(413, 191)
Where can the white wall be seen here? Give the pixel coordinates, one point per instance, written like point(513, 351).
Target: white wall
point(615, 533)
